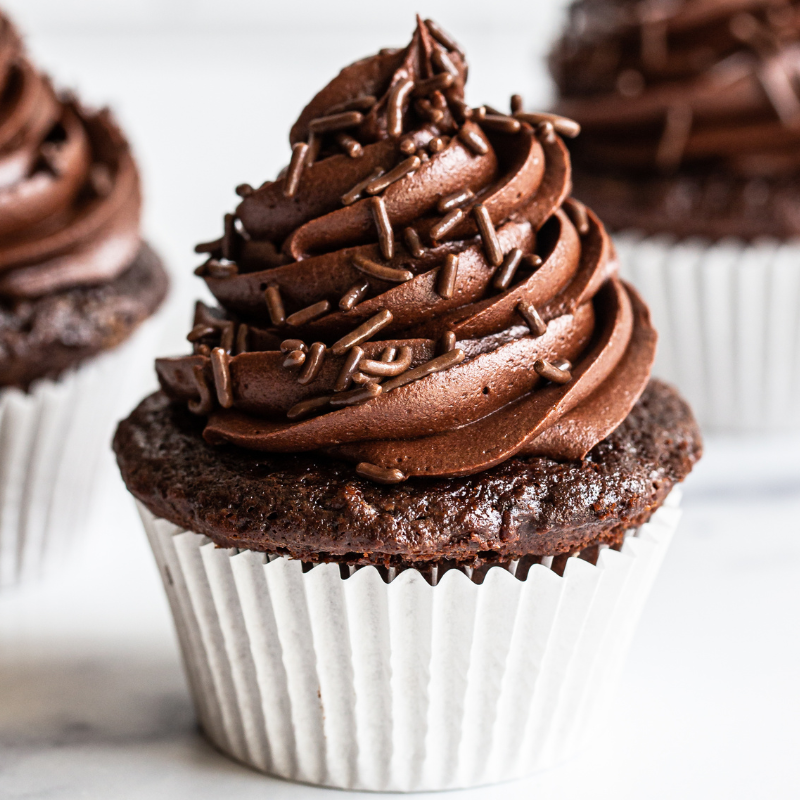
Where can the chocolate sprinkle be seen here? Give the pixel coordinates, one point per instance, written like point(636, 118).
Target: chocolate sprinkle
point(313, 365)
point(400, 171)
point(354, 295)
point(228, 238)
point(438, 364)
point(351, 364)
point(295, 169)
point(502, 123)
point(504, 275)
point(355, 193)
point(314, 146)
point(363, 332)
point(394, 106)
point(222, 377)
point(357, 396)
point(308, 313)
point(386, 367)
point(446, 224)
point(562, 125)
point(516, 103)
point(443, 62)
point(384, 227)
point(491, 244)
point(427, 86)
point(200, 331)
point(336, 122)
point(443, 37)
point(414, 245)
point(448, 273)
point(407, 146)
point(551, 372)
point(474, 141)
point(277, 314)
point(379, 474)
point(294, 359)
point(447, 342)
point(380, 271)
point(454, 200)
point(244, 190)
point(227, 338)
point(306, 407)
point(546, 132)
point(437, 144)
point(531, 316)
point(349, 145)
point(287, 345)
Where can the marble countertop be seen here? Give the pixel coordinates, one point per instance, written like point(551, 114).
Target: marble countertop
point(93, 703)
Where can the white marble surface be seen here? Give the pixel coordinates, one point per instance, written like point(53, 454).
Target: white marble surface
point(93, 702)
point(92, 699)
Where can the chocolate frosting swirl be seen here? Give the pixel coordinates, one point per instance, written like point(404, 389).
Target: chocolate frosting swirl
point(69, 189)
point(700, 85)
point(453, 376)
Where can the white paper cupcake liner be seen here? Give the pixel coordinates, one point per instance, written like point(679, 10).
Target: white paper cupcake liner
point(728, 325)
point(357, 683)
point(51, 442)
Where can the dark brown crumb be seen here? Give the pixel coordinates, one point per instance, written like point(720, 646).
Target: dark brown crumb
point(44, 337)
point(314, 508)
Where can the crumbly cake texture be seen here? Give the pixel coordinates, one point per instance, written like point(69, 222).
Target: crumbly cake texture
point(315, 509)
point(45, 336)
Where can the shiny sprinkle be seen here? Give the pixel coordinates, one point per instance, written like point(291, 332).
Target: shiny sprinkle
point(314, 359)
point(363, 332)
point(308, 314)
point(379, 474)
point(377, 270)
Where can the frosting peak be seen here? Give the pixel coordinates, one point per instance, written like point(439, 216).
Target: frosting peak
point(69, 190)
point(692, 84)
point(415, 292)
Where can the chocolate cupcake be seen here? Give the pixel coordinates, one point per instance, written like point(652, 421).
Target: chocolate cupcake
point(76, 282)
point(409, 491)
point(691, 151)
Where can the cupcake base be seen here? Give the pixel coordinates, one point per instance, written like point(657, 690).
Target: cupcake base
point(356, 683)
point(315, 508)
point(51, 440)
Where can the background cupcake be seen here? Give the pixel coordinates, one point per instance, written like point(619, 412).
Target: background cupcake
point(408, 493)
point(76, 281)
point(689, 148)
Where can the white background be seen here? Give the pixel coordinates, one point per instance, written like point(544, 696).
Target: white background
point(92, 699)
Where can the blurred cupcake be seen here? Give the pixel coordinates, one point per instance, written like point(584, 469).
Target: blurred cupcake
point(691, 150)
point(410, 490)
point(76, 281)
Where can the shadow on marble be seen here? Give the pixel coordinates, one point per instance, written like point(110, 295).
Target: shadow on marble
point(112, 698)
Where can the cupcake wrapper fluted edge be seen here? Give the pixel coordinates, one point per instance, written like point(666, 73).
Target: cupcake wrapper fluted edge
point(357, 683)
point(52, 439)
point(726, 316)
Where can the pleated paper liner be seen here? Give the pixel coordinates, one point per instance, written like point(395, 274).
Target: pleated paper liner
point(361, 682)
point(728, 324)
point(52, 439)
